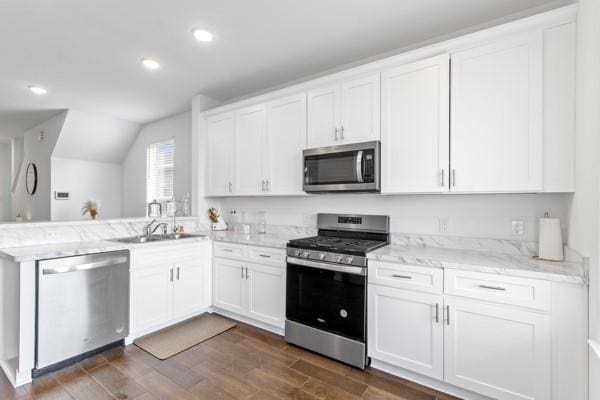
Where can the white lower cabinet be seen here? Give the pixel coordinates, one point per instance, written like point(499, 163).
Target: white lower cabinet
point(168, 284)
point(406, 329)
point(489, 347)
point(497, 351)
point(252, 290)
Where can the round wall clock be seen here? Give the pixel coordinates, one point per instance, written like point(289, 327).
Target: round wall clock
point(31, 179)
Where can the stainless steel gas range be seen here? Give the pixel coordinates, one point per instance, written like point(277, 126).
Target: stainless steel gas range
point(326, 292)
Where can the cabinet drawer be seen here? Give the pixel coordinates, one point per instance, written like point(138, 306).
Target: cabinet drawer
point(266, 255)
point(228, 250)
point(517, 291)
point(409, 277)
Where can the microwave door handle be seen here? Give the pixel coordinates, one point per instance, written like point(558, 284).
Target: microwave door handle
point(359, 166)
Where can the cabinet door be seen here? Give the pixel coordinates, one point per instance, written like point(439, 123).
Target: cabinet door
point(360, 110)
point(266, 294)
point(228, 284)
point(323, 116)
point(499, 352)
point(415, 134)
point(220, 131)
point(286, 138)
point(496, 118)
point(188, 297)
point(151, 298)
point(250, 131)
point(406, 329)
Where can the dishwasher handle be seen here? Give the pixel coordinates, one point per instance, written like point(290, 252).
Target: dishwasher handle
point(86, 266)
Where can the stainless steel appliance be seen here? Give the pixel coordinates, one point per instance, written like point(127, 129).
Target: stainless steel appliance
point(326, 291)
point(82, 306)
point(345, 168)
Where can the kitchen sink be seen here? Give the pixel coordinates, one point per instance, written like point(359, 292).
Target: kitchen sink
point(156, 238)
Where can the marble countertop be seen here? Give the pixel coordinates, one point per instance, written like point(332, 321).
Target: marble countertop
point(42, 252)
point(276, 240)
point(489, 262)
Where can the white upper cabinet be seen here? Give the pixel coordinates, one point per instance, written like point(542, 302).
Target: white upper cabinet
point(323, 116)
point(415, 127)
point(360, 110)
point(250, 137)
point(286, 138)
point(346, 112)
point(220, 134)
point(496, 116)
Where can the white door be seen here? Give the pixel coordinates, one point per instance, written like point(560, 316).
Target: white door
point(496, 351)
point(415, 132)
point(151, 298)
point(323, 116)
point(496, 118)
point(228, 284)
point(286, 138)
point(266, 294)
point(250, 131)
point(188, 278)
point(220, 131)
point(406, 329)
point(360, 110)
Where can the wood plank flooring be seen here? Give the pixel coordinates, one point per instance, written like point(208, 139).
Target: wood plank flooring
point(243, 363)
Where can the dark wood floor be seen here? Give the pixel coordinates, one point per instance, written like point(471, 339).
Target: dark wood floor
point(243, 363)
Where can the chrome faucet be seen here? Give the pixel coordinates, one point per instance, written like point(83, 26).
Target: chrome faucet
point(149, 230)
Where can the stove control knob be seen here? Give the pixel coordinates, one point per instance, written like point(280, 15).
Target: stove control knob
point(340, 258)
point(349, 260)
point(296, 253)
point(306, 254)
point(321, 256)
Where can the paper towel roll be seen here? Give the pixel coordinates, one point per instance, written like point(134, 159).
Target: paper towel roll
point(551, 244)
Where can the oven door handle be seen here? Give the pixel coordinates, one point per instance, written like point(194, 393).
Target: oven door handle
point(359, 168)
point(330, 267)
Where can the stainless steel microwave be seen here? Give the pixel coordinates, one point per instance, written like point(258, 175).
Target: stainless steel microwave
point(344, 168)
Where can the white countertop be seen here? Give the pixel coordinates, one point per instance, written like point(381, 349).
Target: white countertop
point(489, 262)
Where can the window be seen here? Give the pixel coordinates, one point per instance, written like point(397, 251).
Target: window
point(160, 170)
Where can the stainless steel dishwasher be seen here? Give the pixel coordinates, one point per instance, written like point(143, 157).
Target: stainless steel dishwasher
point(82, 307)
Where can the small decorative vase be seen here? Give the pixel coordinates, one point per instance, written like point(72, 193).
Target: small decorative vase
point(93, 213)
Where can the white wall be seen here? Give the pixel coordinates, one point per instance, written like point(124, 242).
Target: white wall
point(468, 215)
point(585, 213)
point(85, 180)
point(134, 164)
point(37, 207)
point(5, 181)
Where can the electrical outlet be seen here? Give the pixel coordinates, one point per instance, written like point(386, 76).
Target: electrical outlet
point(443, 225)
point(518, 227)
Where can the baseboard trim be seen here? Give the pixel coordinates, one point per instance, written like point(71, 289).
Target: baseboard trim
point(267, 327)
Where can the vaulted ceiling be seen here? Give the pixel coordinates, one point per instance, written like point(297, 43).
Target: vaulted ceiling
point(87, 53)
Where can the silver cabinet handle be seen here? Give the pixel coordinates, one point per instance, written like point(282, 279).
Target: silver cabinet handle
point(242, 270)
point(262, 185)
point(454, 178)
point(230, 187)
point(171, 274)
point(442, 177)
point(437, 313)
point(228, 250)
point(336, 133)
point(493, 288)
point(448, 315)
point(265, 255)
point(268, 185)
point(402, 276)
point(177, 273)
point(342, 132)
point(246, 273)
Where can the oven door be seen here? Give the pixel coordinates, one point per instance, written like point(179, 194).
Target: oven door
point(327, 296)
point(349, 168)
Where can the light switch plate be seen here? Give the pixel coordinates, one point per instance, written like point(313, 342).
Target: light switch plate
point(518, 227)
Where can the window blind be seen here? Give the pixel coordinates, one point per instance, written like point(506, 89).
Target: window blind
point(160, 170)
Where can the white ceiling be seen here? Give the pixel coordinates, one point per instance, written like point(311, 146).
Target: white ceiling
point(86, 53)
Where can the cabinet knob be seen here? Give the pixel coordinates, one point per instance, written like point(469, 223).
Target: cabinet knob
point(336, 133)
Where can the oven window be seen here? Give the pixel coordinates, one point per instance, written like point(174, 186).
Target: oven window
point(329, 169)
point(327, 300)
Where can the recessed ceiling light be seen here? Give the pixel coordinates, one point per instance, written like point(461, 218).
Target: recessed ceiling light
point(202, 35)
point(150, 64)
point(37, 89)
